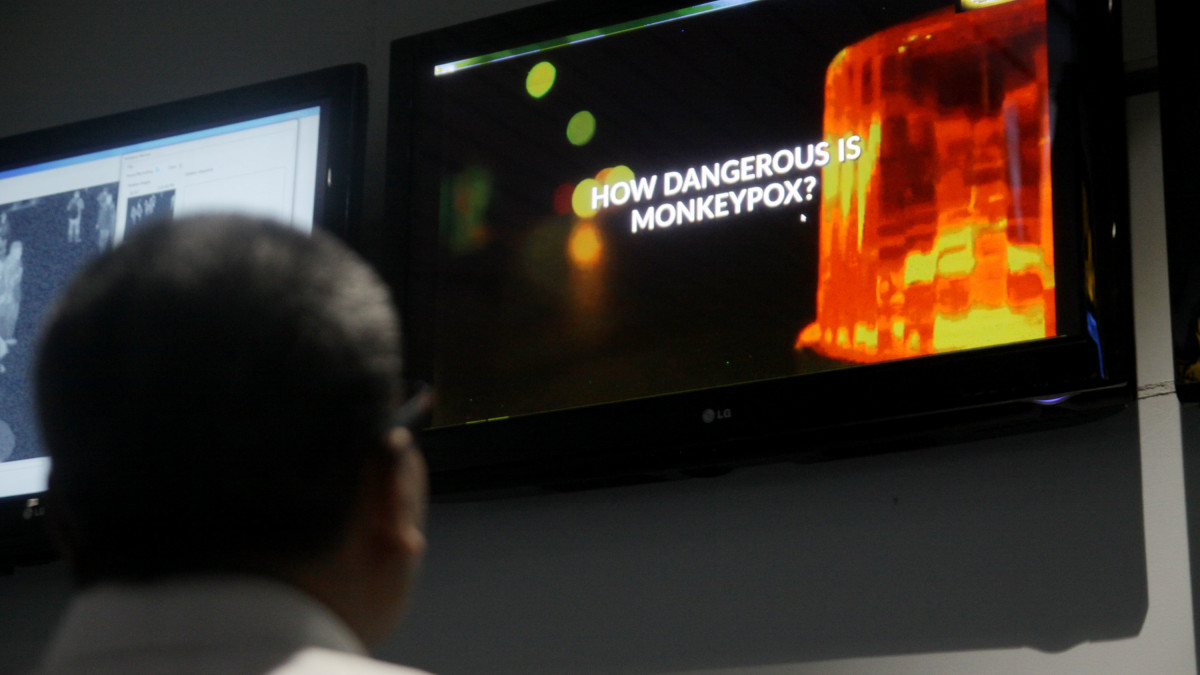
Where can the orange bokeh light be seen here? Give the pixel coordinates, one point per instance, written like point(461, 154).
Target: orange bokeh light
point(584, 245)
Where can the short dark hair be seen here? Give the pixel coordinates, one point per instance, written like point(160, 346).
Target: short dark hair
point(210, 392)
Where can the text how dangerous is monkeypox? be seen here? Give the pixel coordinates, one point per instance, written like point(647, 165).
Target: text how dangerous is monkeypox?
point(783, 190)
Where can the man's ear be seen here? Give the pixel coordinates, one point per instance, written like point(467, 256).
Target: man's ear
point(395, 495)
point(367, 579)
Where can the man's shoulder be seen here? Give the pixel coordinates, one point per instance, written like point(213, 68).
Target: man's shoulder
point(307, 661)
point(318, 660)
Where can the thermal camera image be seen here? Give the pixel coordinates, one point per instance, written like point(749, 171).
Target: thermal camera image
point(738, 191)
point(940, 238)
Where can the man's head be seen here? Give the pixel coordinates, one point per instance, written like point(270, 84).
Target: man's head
point(216, 396)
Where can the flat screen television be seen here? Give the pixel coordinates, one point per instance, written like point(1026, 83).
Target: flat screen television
point(645, 238)
point(290, 149)
point(1179, 103)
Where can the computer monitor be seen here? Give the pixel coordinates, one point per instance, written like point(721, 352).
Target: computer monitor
point(289, 149)
point(666, 236)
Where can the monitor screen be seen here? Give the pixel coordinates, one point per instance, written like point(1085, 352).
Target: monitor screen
point(286, 150)
point(613, 207)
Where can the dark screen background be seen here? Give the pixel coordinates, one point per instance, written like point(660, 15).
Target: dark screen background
point(520, 327)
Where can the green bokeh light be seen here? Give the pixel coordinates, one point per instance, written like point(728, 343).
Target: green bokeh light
point(581, 128)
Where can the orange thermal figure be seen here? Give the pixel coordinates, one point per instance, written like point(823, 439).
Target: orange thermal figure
point(938, 237)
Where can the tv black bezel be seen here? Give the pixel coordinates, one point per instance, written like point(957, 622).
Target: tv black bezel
point(1179, 102)
point(340, 91)
point(828, 414)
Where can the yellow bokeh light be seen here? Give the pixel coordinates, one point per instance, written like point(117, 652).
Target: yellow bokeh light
point(617, 174)
point(540, 79)
point(581, 200)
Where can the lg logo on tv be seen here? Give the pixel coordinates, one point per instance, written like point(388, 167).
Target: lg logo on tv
point(709, 416)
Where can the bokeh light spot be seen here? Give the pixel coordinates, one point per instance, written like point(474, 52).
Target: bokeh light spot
point(617, 174)
point(464, 216)
point(581, 128)
point(581, 201)
point(563, 196)
point(584, 245)
point(540, 79)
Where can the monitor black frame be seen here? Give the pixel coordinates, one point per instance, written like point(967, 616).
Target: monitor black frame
point(1179, 103)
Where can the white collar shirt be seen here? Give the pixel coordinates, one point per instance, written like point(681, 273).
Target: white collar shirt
point(231, 626)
